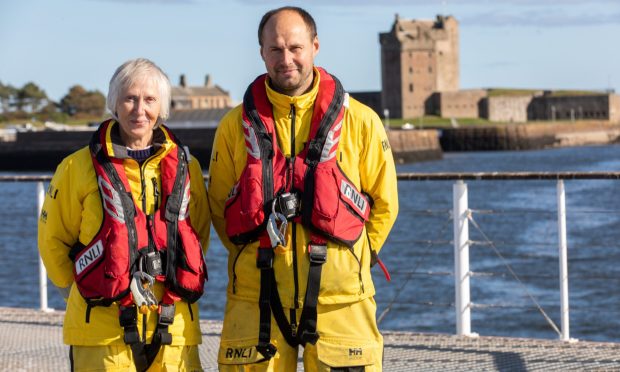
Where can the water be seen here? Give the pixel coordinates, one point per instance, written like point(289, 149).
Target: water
point(522, 225)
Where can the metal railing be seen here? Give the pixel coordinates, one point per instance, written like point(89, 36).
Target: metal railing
point(462, 217)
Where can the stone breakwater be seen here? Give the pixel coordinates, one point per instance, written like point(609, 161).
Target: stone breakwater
point(529, 136)
point(44, 150)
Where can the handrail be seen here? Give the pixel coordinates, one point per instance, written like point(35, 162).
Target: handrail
point(461, 215)
point(453, 176)
point(414, 176)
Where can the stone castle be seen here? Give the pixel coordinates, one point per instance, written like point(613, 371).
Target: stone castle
point(420, 76)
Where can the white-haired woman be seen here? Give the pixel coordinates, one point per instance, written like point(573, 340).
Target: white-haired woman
point(123, 231)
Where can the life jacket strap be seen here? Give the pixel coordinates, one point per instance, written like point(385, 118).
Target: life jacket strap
point(143, 354)
point(128, 319)
point(307, 322)
point(269, 301)
point(264, 262)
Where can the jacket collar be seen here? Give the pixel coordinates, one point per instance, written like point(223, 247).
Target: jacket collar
point(282, 103)
point(117, 149)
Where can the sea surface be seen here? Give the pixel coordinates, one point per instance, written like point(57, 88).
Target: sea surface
point(516, 233)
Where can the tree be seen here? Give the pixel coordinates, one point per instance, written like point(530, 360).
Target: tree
point(30, 95)
point(7, 94)
point(80, 102)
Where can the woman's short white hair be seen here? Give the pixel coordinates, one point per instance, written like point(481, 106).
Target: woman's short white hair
point(132, 71)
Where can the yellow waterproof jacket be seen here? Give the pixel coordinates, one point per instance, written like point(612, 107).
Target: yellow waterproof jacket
point(365, 157)
point(72, 211)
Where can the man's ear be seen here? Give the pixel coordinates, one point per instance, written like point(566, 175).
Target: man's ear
point(315, 46)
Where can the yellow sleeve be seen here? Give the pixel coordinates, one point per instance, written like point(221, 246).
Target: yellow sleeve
point(59, 222)
point(378, 179)
point(222, 170)
point(199, 211)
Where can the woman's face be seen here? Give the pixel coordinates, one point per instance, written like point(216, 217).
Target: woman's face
point(137, 111)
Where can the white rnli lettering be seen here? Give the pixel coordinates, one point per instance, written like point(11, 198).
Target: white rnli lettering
point(358, 200)
point(92, 255)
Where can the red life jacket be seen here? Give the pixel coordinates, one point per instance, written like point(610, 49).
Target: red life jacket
point(331, 205)
point(104, 267)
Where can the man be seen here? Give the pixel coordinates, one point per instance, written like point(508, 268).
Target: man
point(303, 195)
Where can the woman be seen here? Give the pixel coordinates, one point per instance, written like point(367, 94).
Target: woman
point(116, 236)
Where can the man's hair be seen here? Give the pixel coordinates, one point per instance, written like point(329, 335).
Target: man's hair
point(134, 70)
point(308, 20)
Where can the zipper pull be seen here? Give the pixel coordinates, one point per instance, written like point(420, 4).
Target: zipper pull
point(143, 191)
point(155, 193)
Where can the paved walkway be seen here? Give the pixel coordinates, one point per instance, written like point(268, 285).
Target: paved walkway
point(31, 340)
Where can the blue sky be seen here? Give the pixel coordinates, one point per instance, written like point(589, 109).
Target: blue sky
point(554, 44)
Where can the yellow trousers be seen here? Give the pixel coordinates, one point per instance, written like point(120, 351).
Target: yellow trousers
point(119, 358)
point(349, 337)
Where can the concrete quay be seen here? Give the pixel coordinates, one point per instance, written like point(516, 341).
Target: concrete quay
point(31, 340)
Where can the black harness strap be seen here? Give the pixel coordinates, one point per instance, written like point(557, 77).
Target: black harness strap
point(128, 317)
point(143, 354)
point(307, 321)
point(264, 262)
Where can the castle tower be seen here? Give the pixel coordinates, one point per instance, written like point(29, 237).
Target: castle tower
point(418, 58)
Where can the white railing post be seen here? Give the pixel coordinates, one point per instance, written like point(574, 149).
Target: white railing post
point(461, 259)
point(563, 257)
point(42, 271)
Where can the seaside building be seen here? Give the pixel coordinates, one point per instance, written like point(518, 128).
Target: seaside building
point(418, 58)
point(420, 76)
point(207, 96)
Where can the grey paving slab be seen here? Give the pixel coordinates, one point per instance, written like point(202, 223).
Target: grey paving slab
point(31, 340)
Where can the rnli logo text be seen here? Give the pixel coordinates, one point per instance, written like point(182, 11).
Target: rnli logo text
point(355, 352)
point(385, 144)
point(89, 257)
point(238, 353)
point(350, 193)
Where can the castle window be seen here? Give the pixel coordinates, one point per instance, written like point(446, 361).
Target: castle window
point(411, 87)
point(430, 69)
point(411, 70)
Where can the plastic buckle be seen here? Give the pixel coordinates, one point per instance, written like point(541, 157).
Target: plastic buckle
point(166, 314)
point(317, 253)
point(127, 316)
point(165, 338)
point(154, 264)
point(264, 258)
point(288, 205)
point(128, 319)
point(131, 335)
point(310, 337)
point(267, 351)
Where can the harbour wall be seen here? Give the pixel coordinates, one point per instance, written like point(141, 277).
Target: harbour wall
point(44, 150)
point(531, 136)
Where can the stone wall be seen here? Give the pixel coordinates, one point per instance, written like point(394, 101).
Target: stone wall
point(506, 109)
point(414, 145)
point(582, 107)
point(459, 104)
point(529, 136)
point(45, 150)
point(614, 108)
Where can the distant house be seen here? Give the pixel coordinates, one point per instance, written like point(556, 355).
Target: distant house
point(200, 118)
point(208, 96)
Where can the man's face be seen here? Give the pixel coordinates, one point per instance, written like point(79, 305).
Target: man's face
point(288, 51)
